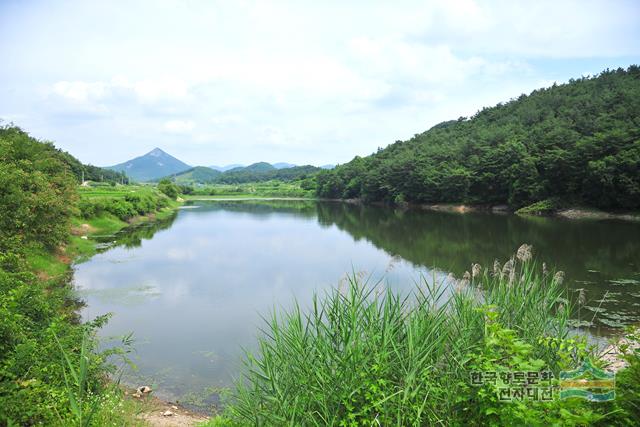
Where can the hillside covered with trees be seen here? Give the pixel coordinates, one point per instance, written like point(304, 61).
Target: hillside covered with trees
point(578, 141)
point(260, 174)
point(75, 166)
point(257, 172)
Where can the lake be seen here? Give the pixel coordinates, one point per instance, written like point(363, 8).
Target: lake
point(192, 289)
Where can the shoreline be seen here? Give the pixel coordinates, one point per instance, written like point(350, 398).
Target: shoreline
point(572, 213)
point(158, 412)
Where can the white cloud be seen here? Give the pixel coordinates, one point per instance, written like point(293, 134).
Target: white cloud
point(80, 91)
point(179, 126)
point(227, 119)
point(148, 90)
point(161, 88)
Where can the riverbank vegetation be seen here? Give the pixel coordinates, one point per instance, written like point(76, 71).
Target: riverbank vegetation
point(301, 189)
point(366, 355)
point(126, 202)
point(51, 372)
point(578, 141)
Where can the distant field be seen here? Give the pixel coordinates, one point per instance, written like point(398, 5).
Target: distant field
point(118, 191)
point(254, 189)
point(267, 189)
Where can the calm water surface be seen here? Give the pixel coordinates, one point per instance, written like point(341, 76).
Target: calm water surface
point(192, 289)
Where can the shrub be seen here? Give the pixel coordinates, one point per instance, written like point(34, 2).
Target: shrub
point(169, 188)
point(125, 207)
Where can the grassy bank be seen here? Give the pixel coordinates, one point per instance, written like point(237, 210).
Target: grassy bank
point(101, 212)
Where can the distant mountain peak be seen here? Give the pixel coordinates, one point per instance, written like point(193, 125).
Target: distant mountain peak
point(156, 152)
point(155, 164)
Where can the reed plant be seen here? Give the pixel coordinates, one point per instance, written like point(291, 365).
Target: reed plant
point(368, 355)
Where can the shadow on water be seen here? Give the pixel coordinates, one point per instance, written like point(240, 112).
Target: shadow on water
point(133, 235)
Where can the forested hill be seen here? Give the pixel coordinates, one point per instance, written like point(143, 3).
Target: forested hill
point(264, 172)
point(257, 172)
point(89, 172)
point(579, 141)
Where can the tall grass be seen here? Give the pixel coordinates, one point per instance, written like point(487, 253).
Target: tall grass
point(76, 379)
point(92, 400)
point(362, 356)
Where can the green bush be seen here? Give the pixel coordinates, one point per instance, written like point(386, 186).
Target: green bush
point(124, 207)
point(169, 188)
point(504, 352)
point(51, 372)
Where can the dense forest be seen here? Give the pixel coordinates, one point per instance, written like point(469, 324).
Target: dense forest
point(257, 172)
point(252, 175)
point(578, 141)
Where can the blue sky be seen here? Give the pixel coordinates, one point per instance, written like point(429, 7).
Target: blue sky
point(304, 82)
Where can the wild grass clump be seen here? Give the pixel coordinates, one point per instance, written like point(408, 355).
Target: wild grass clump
point(371, 356)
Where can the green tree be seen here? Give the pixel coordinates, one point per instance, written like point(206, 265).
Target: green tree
point(169, 188)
